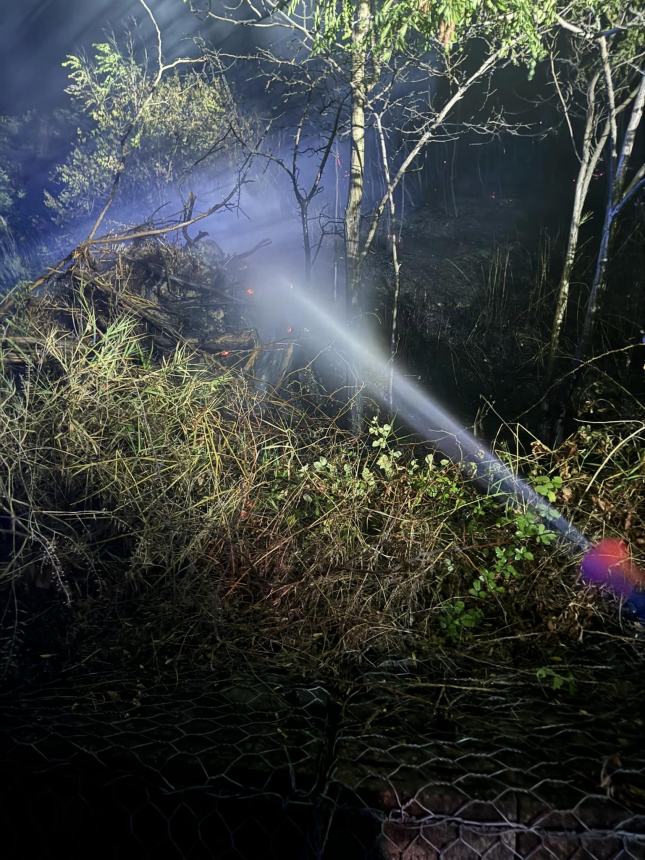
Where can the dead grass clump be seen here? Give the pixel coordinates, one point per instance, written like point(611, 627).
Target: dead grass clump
point(176, 510)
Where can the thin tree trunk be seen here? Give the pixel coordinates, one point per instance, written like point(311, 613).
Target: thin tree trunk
point(420, 145)
point(588, 161)
point(396, 265)
point(617, 197)
point(357, 163)
point(599, 282)
point(306, 241)
point(353, 209)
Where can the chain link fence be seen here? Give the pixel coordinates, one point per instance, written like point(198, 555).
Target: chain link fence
point(392, 767)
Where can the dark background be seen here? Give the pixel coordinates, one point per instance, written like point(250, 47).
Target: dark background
point(36, 36)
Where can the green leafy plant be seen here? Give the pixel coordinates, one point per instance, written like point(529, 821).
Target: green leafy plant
point(548, 486)
point(556, 680)
point(528, 527)
point(387, 460)
point(507, 558)
point(457, 619)
point(180, 125)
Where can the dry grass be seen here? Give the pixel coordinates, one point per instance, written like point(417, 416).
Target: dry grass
point(177, 512)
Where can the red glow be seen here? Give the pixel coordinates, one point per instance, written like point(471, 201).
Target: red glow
point(609, 563)
point(225, 353)
point(250, 292)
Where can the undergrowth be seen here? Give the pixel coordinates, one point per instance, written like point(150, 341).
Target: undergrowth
point(173, 512)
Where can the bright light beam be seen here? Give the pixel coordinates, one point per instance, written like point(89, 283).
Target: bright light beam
point(437, 426)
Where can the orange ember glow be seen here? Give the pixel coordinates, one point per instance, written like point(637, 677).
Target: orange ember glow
point(609, 563)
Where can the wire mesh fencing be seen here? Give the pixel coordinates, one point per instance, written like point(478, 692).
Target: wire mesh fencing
point(255, 765)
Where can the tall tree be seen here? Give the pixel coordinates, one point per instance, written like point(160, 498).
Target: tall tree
point(597, 70)
point(363, 40)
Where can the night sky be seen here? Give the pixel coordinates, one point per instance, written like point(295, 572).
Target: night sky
point(36, 35)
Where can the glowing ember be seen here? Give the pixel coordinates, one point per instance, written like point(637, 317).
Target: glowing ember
point(609, 563)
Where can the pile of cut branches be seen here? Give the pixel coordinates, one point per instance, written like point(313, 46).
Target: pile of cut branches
point(193, 297)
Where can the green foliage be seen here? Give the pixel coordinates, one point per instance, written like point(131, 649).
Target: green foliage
point(515, 26)
point(556, 680)
point(548, 486)
point(167, 129)
point(507, 559)
point(388, 458)
point(529, 527)
point(456, 619)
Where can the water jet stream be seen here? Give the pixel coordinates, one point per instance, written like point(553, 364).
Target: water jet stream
point(602, 565)
point(435, 425)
